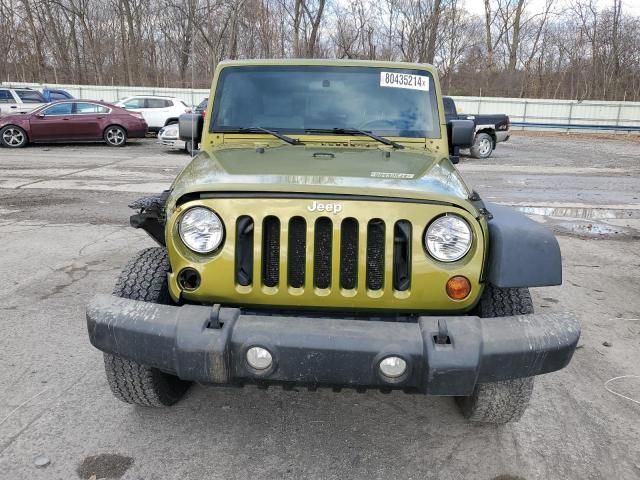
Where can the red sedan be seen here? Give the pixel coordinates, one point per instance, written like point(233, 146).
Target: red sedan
point(72, 120)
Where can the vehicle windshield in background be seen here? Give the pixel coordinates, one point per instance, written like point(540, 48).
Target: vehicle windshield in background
point(30, 96)
point(387, 102)
point(202, 105)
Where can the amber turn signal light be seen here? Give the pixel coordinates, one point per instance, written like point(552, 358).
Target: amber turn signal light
point(458, 288)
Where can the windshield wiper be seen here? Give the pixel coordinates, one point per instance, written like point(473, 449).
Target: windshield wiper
point(284, 138)
point(356, 131)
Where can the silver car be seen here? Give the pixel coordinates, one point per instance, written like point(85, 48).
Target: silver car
point(168, 136)
point(19, 100)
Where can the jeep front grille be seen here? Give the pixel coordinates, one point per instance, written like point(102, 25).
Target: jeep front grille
point(311, 248)
point(297, 249)
point(244, 250)
point(322, 253)
point(375, 254)
point(349, 254)
point(271, 251)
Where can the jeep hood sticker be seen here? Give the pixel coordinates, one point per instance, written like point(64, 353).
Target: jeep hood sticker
point(294, 169)
point(392, 175)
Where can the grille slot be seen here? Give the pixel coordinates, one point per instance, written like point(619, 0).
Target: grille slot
point(322, 253)
point(402, 255)
point(349, 253)
point(375, 254)
point(341, 255)
point(297, 252)
point(244, 250)
point(271, 251)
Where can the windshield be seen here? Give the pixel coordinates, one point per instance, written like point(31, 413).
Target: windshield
point(299, 99)
point(30, 96)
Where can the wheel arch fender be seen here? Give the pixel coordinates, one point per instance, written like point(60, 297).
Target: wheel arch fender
point(104, 130)
point(489, 130)
point(522, 253)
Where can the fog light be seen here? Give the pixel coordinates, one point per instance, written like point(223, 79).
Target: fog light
point(259, 358)
point(189, 279)
point(393, 367)
point(458, 288)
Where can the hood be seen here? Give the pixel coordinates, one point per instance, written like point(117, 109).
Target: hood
point(373, 171)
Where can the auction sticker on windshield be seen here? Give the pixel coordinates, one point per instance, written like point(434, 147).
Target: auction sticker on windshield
point(404, 80)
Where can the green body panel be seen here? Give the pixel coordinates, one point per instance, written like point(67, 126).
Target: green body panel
point(242, 170)
point(429, 277)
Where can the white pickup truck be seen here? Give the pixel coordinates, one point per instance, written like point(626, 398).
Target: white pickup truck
point(19, 100)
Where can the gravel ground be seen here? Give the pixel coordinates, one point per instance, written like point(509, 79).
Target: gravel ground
point(65, 236)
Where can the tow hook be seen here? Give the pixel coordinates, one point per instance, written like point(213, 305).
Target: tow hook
point(443, 333)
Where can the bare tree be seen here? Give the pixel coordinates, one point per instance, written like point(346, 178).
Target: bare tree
point(558, 48)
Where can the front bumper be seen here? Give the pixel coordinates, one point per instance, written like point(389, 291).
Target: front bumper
point(137, 131)
point(170, 142)
point(209, 344)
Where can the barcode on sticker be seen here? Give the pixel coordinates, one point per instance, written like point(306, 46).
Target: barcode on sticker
point(404, 80)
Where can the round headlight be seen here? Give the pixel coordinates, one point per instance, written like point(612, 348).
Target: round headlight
point(201, 230)
point(448, 238)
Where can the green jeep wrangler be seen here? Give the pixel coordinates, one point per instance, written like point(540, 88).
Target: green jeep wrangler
point(323, 238)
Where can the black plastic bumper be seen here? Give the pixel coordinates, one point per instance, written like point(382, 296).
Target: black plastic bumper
point(209, 344)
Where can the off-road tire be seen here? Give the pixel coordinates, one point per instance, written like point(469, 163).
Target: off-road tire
point(502, 302)
point(497, 402)
point(145, 279)
point(483, 146)
point(500, 402)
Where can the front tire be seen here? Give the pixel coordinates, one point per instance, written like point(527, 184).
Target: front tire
point(482, 146)
point(506, 401)
point(189, 147)
point(13, 137)
point(115, 136)
point(498, 402)
point(145, 279)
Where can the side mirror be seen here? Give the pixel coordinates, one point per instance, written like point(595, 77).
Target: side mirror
point(460, 133)
point(190, 127)
point(40, 115)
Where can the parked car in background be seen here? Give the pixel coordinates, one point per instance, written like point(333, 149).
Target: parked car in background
point(489, 129)
point(53, 94)
point(19, 100)
point(190, 126)
point(202, 107)
point(168, 136)
point(157, 111)
point(72, 120)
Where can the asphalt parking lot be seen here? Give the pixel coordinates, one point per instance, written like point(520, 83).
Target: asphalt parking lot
point(64, 236)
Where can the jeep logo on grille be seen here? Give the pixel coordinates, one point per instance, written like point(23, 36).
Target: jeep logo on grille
point(334, 208)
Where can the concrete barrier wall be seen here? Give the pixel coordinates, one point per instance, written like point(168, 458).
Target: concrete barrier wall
point(542, 114)
point(525, 113)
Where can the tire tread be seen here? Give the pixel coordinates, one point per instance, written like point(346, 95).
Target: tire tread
point(505, 401)
point(144, 278)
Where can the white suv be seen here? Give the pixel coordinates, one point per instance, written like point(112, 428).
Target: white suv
point(157, 111)
point(19, 100)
